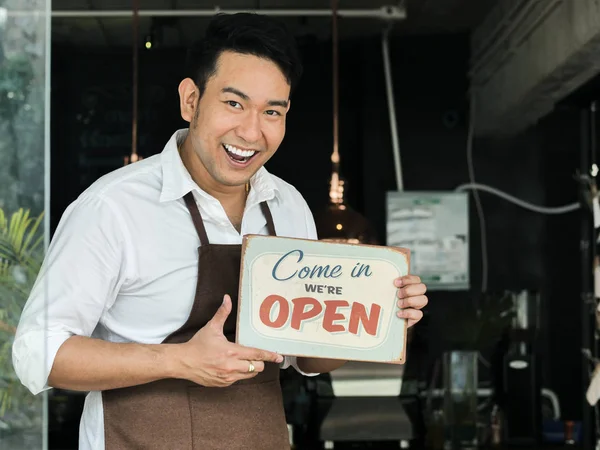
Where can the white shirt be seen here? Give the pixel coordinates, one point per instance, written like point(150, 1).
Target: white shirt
point(122, 265)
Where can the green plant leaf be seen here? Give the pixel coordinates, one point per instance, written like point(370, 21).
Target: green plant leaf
point(20, 252)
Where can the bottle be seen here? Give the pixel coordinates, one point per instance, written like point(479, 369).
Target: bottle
point(496, 427)
point(569, 433)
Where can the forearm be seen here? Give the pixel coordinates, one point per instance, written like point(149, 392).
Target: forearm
point(318, 365)
point(87, 364)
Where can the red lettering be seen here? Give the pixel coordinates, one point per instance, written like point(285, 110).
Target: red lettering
point(267, 306)
point(331, 314)
point(299, 314)
point(307, 308)
point(359, 314)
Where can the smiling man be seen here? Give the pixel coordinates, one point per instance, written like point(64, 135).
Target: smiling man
point(136, 300)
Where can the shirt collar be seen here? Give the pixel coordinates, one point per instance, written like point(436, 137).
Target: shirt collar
point(177, 181)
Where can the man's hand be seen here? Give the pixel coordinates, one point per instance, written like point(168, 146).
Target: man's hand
point(412, 298)
point(209, 359)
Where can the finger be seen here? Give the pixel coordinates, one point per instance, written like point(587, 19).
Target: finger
point(412, 290)
point(243, 366)
point(254, 354)
point(418, 302)
point(218, 320)
point(411, 322)
point(413, 315)
point(239, 370)
point(227, 379)
point(406, 280)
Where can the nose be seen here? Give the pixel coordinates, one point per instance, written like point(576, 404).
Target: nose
point(249, 128)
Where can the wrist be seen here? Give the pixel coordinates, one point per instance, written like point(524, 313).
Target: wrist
point(171, 361)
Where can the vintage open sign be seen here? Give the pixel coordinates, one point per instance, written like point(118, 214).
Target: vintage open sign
point(321, 299)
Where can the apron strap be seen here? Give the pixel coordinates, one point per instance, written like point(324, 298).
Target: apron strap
point(199, 223)
point(267, 213)
point(196, 218)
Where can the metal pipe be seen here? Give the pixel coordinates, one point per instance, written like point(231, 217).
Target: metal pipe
point(387, 70)
point(391, 12)
point(335, 157)
point(336, 193)
point(136, 70)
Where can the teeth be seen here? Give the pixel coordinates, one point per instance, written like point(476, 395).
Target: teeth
point(237, 151)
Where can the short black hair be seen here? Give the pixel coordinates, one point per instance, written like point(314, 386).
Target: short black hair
point(246, 33)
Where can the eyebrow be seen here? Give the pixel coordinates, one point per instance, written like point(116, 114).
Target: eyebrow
point(232, 90)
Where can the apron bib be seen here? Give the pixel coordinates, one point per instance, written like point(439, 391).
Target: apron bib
point(174, 414)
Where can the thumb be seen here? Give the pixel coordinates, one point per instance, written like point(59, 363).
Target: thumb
point(218, 320)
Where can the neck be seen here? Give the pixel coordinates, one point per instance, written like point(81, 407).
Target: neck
point(225, 194)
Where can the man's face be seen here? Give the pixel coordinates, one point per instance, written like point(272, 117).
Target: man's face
point(239, 121)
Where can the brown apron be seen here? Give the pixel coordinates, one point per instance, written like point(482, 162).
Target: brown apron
point(177, 414)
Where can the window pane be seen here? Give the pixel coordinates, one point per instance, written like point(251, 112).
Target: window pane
point(24, 94)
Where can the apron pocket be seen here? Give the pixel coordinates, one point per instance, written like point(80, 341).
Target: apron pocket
point(238, 417)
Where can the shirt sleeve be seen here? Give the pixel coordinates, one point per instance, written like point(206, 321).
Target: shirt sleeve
point(293, 361)
point(79, 279)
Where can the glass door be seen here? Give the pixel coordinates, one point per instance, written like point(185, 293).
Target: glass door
point(24, 200)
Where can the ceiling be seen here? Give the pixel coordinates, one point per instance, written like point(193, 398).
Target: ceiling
point(423, 17)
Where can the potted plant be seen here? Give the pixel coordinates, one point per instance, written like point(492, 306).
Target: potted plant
point(21, 254)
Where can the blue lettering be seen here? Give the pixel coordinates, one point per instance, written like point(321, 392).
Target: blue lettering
point(316, 271)
point(300, 256)
point(304, 272)
point(336, 271)
point(361, 269)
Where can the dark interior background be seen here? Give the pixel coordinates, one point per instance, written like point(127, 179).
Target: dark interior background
point(91, 117)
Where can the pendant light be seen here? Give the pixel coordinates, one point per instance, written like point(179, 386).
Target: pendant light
point(134, 156)
point(339, 222)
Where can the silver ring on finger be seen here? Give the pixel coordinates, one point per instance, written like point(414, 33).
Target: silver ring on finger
point(251, 368)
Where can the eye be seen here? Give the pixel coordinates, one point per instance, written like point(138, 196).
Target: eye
point(233, 103)
point(272, 112)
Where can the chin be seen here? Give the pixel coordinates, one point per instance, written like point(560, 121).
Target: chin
point(233, 179)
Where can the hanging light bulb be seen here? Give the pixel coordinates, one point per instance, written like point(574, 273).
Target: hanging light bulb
point(339, 222)
point(134, 156)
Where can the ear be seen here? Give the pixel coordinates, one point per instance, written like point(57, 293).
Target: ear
point(188, 99)
point(288, 106)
